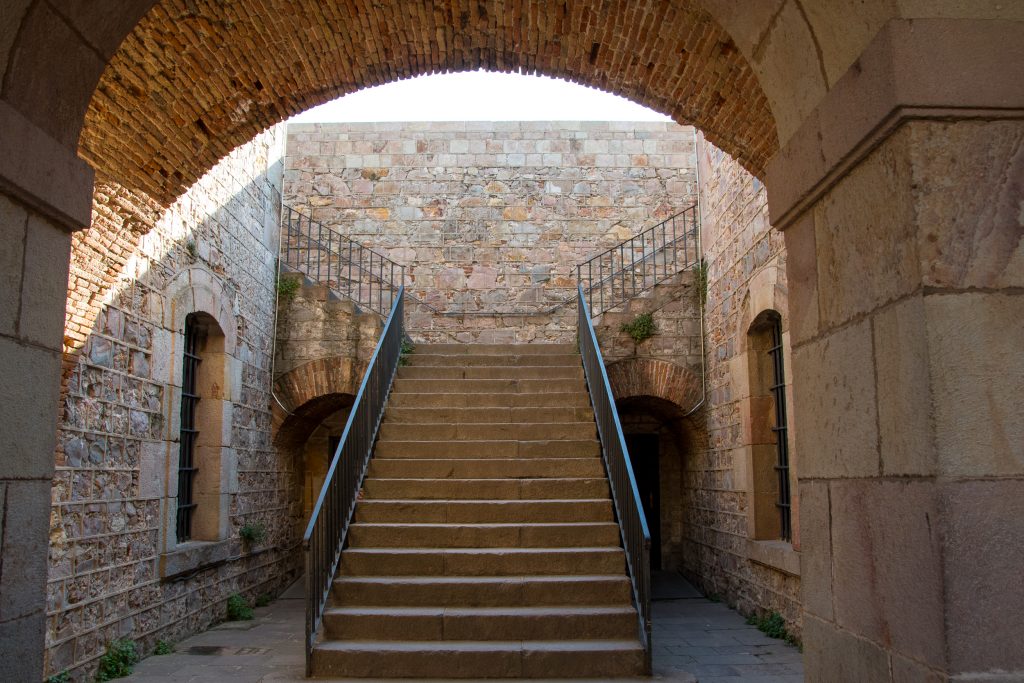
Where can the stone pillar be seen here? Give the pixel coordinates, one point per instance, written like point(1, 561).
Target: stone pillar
point(45, 191)
point(902, 201)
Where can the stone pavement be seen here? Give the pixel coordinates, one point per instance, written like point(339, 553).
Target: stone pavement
point(695, 641)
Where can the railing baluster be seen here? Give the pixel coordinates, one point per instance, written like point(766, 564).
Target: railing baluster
point(663, 249)
point(638, 263)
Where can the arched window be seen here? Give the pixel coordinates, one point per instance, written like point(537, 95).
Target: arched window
point(769, 429)
point(199, 452)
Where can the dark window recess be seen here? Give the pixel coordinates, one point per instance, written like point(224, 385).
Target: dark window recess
point(189, 433)
point(780, 429)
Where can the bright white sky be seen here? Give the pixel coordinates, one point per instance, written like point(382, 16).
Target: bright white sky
point(479, 96)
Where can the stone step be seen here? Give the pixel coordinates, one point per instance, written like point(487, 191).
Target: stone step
point(485, 468)
point(481, 561)
point(407, 398)
point(489, 386)
point(484, 511)
point(487, 431)
point(482, 591)
point(479, 659)
point(543, 535)
point(491, 415)
point(496, 349)
point(491, 372)
point(484, 489)
point(488, 449)
point(480, 623)
point(423, 359)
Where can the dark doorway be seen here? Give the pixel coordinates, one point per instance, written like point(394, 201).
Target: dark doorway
point(643, 453)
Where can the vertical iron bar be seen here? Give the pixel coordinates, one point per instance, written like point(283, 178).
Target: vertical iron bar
point(675, 246)
point(590, 267)
point(686, 249)
point(622, 265)
point(632, 266)
point(664, 250)
point(330, 255)
point(319, 244)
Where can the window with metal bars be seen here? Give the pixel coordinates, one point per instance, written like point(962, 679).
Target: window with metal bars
point(778, 389)
point(194, 333)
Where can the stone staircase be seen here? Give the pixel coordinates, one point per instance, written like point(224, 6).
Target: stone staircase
point(484, 545)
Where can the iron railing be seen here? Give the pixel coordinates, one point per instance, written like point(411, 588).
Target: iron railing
point(328, 526)
point(616, 275)
point(636, 537)
point(353, 271)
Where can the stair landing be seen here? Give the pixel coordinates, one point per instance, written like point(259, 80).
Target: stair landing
point(484, 545)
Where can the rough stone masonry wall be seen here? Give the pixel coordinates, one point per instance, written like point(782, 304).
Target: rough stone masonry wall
point(109, 519)
point(746, 273)
point(490, 216)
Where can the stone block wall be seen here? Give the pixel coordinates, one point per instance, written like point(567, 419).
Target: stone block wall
point(746, 262)
point(113, 552)
point(490, 217)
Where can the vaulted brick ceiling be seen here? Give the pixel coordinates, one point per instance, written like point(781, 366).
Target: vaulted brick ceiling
point(196, 78)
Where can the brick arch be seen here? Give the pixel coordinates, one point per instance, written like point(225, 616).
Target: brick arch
point(308, 393)
point(321, 377)
point(195, 79)
point(635, 377)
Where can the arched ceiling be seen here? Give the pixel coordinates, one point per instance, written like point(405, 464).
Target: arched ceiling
point(196, 78)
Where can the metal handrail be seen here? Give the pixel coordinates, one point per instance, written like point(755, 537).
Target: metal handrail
point(640, 262)
point(328, 526)
point(636, 537)
point(350, 269)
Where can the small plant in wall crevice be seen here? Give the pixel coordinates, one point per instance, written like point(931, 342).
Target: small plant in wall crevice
point(407, 350)
point(117, 661)
point(640, 328)
point(700, 277)
point(287, 288)
point(253, 533)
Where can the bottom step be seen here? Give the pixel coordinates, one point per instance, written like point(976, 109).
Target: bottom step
point(474, 659)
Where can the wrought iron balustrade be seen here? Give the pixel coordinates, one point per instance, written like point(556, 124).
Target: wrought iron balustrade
point(328, 526)
point(637, 264)
point(353, 271)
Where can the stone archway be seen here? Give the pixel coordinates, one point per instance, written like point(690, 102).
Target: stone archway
point(926, 123)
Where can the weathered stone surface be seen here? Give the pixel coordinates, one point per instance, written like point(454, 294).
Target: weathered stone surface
point(816, 588)
point(838, 436)
point(983, 525)
point(497, 228)
point(13, 219)
point(29, 415)
point(890, 575)
point(44, 284)
point(903, 385)
point(746, 275)
point(970, 233)
point(841, 656)
point(113, 496)
point(976, 433)
point(867, 226)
